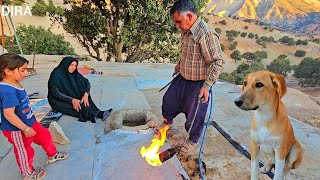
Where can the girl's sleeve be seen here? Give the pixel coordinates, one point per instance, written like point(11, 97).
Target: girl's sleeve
point(9, 100)
point(59, 95)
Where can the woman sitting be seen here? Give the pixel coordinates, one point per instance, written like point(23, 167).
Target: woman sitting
point(69, 93)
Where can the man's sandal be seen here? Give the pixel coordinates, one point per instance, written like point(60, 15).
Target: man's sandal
point(59, 156)
point(37, 174)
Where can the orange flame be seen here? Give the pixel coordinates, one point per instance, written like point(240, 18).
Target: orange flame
point(152, 152)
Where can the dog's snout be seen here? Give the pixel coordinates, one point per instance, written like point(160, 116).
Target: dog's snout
point(238, 102)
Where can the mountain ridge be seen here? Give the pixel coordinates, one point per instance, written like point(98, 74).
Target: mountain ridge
point(288, 14)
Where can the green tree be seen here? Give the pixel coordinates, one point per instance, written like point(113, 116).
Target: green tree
point(300, 53)
point(305, 42)
point(250, 56)
point(227, 77)
point(232, 47)
point(236, 55)
point(291, 42)
point(307, 72)
point(243, 34)
point(284, 39)
point(140, 29)
point(281, 65)
point(218, 30)
point(39, 9)
point(37, 40)
point(51, 8)
point(250, 35)
point(245, 27)
point(222, 47)
point(299, 42)
point(262, 54)
point(243, 70)
point(223, 22)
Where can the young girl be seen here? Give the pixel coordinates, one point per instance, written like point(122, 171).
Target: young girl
point(18, 122)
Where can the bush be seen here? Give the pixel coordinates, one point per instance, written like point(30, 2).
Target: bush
point(51, 8)
point(39, 9)
point(218, 30)
point(307, 72)
point(40, 41)
point(300, 53)
point(302, 42)
point(227, 77)
point(246, 27)
point(18, 2)
point(230, 38)
point(223, 22)
point(236, 55)
point(233, 47)
point(243, 34)
point(251, 35)
point(281, 65)
point(240, 73)
point(238, 78)
point(291, 42)
point(222, 47)
point(262, 23)
point(59, 11)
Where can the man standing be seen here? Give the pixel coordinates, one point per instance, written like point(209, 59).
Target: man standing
point(199, 67)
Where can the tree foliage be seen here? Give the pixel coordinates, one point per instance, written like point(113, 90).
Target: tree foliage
point(257, 56)
point(236, 55)
point(281, 65)
point(39, 8)
point(307, 72)
point(300, 53)
point(37, 40)
point(140, 29)
point(241, 72)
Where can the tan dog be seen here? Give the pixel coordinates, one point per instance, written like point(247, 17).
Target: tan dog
point(271, 130)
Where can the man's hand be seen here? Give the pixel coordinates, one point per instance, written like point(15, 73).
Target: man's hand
point(85, 99)
point(176, 70)
point(157, 130)
point(29, 132)
point(76, 104)
point(204, 93)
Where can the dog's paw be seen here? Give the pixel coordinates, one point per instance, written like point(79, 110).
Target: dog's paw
point(266, 168)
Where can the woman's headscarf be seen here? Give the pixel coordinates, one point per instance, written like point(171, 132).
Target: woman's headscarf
point(70, 84)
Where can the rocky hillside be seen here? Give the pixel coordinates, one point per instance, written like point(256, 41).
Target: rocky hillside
point(299, 15)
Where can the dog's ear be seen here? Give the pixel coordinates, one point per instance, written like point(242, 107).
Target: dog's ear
point(279, 83)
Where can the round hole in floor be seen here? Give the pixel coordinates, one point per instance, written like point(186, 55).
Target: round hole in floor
point(132, 120)
point(136, 119)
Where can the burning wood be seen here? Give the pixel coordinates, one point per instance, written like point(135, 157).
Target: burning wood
point(151, 154)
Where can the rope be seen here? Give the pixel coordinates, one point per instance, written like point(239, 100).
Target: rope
point(204, 136)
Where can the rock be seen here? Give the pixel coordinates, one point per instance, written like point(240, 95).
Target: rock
point(57, 134)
